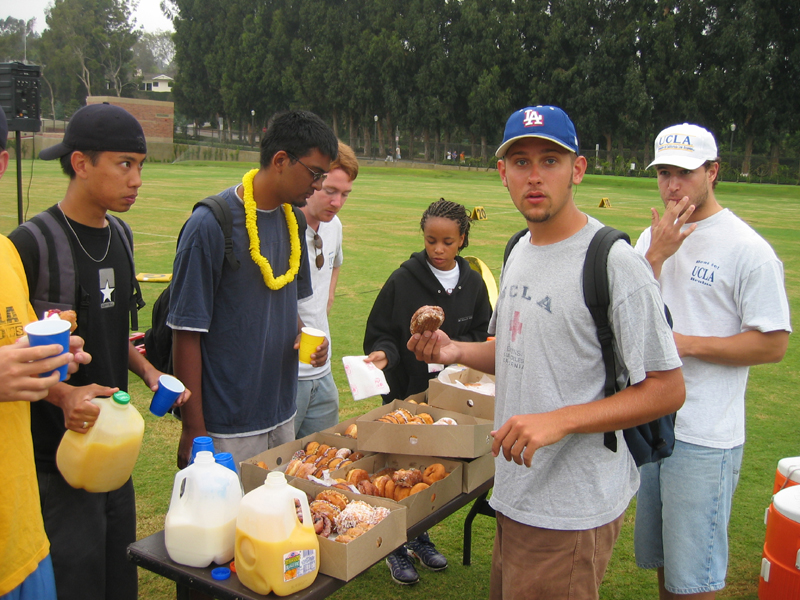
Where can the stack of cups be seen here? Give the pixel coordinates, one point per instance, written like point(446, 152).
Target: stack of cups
point(202, 443)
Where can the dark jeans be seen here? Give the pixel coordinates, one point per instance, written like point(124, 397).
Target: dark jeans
point(89, 536)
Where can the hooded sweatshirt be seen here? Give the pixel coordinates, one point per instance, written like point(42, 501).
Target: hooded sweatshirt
point(466, 318)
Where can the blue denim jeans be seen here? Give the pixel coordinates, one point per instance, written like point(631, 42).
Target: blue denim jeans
point(317, 405)
point(682, 513)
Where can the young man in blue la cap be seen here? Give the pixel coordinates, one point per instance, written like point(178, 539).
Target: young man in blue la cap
point(724, 286)
point(560, 495)
point(78, 257)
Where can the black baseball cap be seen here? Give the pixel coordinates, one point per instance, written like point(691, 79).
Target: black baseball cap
point(99, 127)
point(3, 129)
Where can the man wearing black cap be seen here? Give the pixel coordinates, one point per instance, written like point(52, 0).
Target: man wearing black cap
point(78, 257)
point(560, 495)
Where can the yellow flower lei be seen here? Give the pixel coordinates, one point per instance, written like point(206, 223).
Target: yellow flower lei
point(273, 283)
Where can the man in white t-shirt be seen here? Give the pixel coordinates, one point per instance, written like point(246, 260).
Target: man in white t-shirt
point(317, 396)
point(725, 289)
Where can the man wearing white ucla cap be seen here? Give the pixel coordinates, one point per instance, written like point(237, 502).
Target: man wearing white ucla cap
point(724, 287)
point(560, 495)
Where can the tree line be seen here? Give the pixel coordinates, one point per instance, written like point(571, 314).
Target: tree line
point(445, 69)
point(436, 72)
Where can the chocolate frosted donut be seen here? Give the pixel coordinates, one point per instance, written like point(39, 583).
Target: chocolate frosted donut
point(427, 318)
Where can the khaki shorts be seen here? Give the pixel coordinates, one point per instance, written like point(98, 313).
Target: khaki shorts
point(531, 563)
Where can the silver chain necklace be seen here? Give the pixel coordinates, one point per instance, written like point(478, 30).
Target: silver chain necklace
point(108, 246)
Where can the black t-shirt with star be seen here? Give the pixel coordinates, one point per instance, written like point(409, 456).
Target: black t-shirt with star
point(104, 324)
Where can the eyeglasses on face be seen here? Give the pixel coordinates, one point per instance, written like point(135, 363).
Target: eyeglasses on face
point(315, 175)
point(320, 259)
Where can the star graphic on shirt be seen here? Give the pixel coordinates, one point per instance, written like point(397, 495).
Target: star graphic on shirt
point(106, 291)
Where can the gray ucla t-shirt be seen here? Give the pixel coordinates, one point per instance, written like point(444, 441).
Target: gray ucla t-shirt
point(548, 356)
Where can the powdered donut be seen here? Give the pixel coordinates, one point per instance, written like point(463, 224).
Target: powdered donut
point(427, 318)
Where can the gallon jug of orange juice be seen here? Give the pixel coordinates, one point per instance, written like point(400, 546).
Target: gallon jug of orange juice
point(200, 527)
point(102, 460)
point(274, 552)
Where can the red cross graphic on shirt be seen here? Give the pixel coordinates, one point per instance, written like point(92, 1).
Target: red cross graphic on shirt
point(516, 326)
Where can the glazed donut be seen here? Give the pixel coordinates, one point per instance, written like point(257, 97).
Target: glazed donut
point(356, 475)
point(401, 493)
point(346, 462)
point(355, 456)
point(446, 421)
point(322, 449)
point(380, 484)
point(305, 471)
point(337, 499)
point(334, 463)
point(352, 431)
point(311, 447)
point(388, 490)
point(407, 477)
point(426, 418)
point(418, 488)
point(433, 473)
point(427, 318)
point(343, 452)
point(365, 486)
point(323, 507)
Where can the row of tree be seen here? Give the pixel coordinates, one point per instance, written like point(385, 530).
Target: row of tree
point(444, 68)
point(90, 47)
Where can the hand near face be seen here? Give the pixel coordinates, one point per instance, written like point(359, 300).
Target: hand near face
point(667, 233)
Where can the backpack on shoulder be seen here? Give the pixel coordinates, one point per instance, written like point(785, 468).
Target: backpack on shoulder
point(648, 442)
point(158, 339)
point(58, 286)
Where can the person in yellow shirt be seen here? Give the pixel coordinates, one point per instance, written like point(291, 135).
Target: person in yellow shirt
point(26, 572)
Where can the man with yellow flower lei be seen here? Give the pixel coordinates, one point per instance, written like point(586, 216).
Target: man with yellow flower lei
point(235, 331)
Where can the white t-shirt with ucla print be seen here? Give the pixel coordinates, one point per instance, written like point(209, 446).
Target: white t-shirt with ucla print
point(725, 279)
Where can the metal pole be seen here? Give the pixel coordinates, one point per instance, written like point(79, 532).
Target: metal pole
point(19, 178)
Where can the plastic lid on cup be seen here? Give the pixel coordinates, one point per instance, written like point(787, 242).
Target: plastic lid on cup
point(121, 397)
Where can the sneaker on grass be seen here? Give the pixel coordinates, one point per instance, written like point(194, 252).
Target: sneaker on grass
point(401, 567)
point(423, 549)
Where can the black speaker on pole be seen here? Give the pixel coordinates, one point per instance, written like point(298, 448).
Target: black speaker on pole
point(20, 100)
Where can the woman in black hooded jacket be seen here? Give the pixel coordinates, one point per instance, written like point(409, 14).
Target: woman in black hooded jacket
point(462, 296)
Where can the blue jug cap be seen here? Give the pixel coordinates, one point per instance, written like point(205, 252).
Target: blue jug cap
point(221, 573)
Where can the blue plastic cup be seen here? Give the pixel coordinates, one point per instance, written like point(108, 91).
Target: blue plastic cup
point(201, 443)
point(50, 331)
point(226, 460)
point(169, 389)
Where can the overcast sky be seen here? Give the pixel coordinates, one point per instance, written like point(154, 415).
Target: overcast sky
point(148, 15)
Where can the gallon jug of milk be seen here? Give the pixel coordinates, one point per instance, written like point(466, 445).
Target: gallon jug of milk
point(102, 460)
point(200, 527)
point(274, 551)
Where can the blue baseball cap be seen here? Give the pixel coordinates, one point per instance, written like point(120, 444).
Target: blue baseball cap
point(546, 122)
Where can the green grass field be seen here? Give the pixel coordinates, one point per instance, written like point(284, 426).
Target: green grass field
point(381, 229)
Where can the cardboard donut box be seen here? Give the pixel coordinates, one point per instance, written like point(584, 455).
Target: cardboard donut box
point(423, 503)
point(345, 561)
point(470, 438)
point(451, 396)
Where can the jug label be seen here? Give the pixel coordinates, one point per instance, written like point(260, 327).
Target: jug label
point(299, 563)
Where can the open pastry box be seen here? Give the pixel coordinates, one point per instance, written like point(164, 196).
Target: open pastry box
point(470, 438)
point(276, 459)
point(345, 561)
point(453, 391)
point(423, 503)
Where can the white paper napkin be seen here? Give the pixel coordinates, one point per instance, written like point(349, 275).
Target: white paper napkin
point(365, 379)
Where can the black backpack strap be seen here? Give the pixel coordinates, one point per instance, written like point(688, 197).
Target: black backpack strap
point(511, 243)
point(596, 296)
point(126, 235)
point(223, 215)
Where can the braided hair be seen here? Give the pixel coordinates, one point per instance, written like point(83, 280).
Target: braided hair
point(449, 210)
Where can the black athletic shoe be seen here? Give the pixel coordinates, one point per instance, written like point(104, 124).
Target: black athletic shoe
point(402, 567)
point(423, 549)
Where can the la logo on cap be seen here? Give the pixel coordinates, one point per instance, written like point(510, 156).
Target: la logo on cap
point(532, 118)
